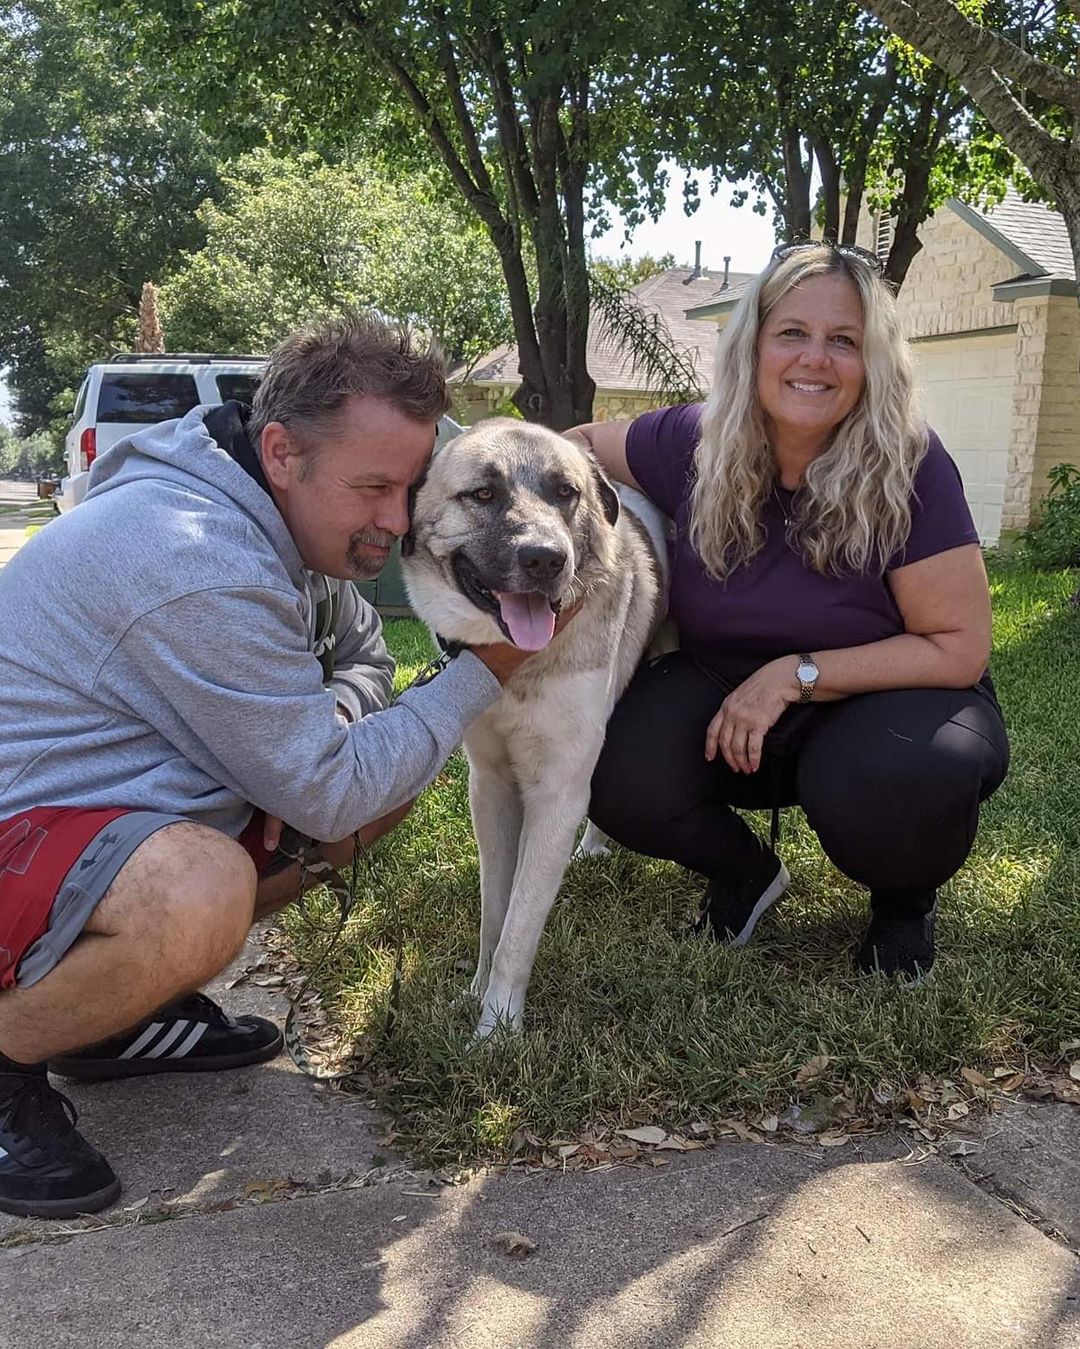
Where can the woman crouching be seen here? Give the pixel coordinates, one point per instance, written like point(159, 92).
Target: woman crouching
point(833, 615)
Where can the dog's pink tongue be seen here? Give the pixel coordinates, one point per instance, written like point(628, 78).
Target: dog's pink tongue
point(529, 617)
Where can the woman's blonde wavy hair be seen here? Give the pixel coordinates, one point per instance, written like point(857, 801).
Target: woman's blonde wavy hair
point(854, 511)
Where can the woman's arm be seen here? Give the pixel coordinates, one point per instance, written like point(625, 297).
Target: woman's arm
point(944, 601)
point(607, 441)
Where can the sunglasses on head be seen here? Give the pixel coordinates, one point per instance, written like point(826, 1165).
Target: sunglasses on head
point(863, 255)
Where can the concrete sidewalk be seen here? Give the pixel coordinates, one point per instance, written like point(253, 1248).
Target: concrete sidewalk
point(19, 508)
point(305, 1230)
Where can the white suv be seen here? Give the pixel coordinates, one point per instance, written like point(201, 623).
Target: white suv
point(129, 391)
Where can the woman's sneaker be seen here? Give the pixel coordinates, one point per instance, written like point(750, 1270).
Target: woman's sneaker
point(47, 1168)
point(732, 912)
point(193, 1035)
point(901, 944)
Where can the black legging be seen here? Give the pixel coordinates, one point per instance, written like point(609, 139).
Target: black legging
point(890, 782)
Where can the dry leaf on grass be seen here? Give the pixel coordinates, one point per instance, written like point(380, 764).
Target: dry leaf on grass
point(974, 1078)
point(515, 1243)
point(813, 1068)
point(739, 1129)
point(648, 1133)
point(832, 1139)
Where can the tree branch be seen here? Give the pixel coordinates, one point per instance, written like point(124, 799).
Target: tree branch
point(939, 30)
point(1044, 156)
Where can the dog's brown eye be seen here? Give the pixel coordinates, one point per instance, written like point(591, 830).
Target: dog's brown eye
point(483, 494)
point(565, 492)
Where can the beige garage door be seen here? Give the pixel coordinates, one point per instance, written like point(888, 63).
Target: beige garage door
point(966, 391)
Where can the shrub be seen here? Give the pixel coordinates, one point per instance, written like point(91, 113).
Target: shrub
point(1055, 541)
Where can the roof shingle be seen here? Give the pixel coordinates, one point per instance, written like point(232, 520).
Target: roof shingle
point(671, 293)
point(1036, 230)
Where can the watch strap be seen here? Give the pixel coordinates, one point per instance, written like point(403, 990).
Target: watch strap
point(806, 687)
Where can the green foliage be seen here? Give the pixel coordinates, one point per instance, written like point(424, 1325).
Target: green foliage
point(291, 237)
point(625, 273)
point(514, 103)
point(99, 179)
point(819, 108)
point(26, 458)
point(1054, 542)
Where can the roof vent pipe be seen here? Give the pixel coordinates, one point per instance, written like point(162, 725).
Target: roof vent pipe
point(727, 269)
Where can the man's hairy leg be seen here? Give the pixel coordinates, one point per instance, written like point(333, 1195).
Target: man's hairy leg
point(276, 891)
point(176, 914)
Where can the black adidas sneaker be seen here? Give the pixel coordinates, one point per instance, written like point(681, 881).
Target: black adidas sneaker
point(47, 1168)
point(192, 1035)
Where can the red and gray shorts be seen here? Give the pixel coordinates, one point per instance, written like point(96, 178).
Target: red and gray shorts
point(56, 864)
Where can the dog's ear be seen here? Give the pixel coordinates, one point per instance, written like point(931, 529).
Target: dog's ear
point(608, 495)
point(408, 541)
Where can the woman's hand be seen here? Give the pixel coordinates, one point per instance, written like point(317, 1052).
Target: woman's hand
point(748, 712)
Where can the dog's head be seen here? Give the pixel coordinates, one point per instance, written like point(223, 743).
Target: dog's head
point(511, 522)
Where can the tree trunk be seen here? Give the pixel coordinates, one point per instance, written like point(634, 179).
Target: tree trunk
point(797, 178)
point(830, 188)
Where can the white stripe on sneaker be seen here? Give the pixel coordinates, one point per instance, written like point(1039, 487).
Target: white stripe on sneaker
point(155, 1028)
point(197, 1033)
point(168, 1039)
point(779, 884)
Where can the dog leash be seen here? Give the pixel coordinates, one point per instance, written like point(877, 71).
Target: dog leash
point(346, 893)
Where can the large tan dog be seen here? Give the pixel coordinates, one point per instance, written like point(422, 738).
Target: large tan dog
point(512, 523)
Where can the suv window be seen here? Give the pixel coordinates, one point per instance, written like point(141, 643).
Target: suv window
point(145, 398)
point(80, 402)
point(240, 387)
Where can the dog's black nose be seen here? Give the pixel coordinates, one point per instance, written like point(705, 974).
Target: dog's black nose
point(541, 563)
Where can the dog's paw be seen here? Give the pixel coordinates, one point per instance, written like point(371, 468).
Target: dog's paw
point(505, 1010)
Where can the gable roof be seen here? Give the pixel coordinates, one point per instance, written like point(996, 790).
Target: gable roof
point(1029, 232)
point(670, 293)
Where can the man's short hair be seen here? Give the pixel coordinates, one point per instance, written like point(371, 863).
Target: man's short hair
point(313, 370)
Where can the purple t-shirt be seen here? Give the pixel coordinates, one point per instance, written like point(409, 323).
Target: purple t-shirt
point(776, 605)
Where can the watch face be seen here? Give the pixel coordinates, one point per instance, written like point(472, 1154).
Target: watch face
point(807, 672)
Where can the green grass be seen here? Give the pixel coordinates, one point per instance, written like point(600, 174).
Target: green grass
point(629, 1020)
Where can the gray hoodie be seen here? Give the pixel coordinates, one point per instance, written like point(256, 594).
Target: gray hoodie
point(157, 652)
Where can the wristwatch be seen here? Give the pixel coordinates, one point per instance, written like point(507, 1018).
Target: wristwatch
point(807, 675)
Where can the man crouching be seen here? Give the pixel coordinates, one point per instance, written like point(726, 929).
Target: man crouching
point(183, 667)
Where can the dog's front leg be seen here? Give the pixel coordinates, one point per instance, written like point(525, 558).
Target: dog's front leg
point(495, 803)
point(552, 815)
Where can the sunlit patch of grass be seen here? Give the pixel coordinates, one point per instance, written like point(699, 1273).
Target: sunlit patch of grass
point(632, 1018)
